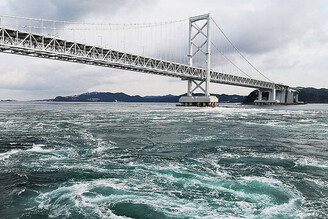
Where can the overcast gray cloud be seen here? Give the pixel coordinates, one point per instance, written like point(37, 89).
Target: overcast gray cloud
point(62, 9)
point(287, 40)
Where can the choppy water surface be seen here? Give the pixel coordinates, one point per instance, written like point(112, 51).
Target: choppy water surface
point(121, 160)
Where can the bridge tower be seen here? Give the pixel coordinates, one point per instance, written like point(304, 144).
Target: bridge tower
point(200, 40)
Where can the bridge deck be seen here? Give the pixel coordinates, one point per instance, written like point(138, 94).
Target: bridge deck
point(36, 45)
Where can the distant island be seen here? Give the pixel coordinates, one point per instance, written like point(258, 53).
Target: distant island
point(313, 95)
point(122, 97)
point(307, 95)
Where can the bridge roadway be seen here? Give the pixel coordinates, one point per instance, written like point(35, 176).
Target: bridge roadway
point(51, 47)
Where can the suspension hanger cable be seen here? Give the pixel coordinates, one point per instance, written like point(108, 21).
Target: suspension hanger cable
point(230, 61)
point(225, 36)
point(101, 26)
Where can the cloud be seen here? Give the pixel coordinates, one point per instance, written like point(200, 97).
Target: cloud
point(62, 9)
point(262, 26)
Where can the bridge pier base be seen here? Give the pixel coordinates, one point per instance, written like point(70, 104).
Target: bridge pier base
point(200, 101)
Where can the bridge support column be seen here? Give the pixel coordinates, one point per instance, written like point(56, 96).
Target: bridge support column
point(189, 92)
point(273, 94)
point(208, 57)
point(292, 96)
point(197, 27)
point(296, 98)
point(267, 97)
point(260, 94)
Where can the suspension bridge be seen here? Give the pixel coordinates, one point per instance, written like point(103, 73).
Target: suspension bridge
point(195, 49)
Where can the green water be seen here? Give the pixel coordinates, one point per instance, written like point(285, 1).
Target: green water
point(133, 160)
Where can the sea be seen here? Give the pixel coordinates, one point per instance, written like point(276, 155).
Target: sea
point(157, 160)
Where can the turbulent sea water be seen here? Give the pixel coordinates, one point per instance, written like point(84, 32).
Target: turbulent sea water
point(133, 160)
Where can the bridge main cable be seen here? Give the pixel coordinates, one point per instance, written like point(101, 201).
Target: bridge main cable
point(226, 37)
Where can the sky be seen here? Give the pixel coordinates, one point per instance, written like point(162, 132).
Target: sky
point(286, 40)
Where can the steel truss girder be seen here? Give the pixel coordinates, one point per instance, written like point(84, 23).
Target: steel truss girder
point(50, 47)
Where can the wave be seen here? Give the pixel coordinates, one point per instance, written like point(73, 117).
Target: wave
point(308, 162)
point(108, 198)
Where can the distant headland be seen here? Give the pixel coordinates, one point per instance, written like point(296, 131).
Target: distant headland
point(122, 97)
point(6, 100)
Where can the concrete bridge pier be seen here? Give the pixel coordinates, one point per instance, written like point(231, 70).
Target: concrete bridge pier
point(267, 97)
point(296, 97)
point(191, 100)
point(198, 101)
point(285, 95)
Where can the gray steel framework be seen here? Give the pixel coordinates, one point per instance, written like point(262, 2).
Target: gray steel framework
point(196, 32)
point(52, 47)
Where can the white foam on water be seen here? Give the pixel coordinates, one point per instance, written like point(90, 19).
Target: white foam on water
point(281, 156)
point(198, 138)
point(239, 187)
point(229, 155)
point(103, 146)
point(50, 154)
point(308, 162)
point(182, 206)
point(318, 182)
point(45, 154)
point(225, 186)
point(219, 171)
point(170, 167)
point(213, 162)
point(276, 184)
point(270, 181)
point(157, 117)
point(39, 148)
point(8, 154)
point(83, 167)
point(291, 209)
point(166, 171)
point(220, 185)
point(86, 135)
point(9, 123)
point(99, 146)
point(63, 200)
point(274, 123)
point(307, 121)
